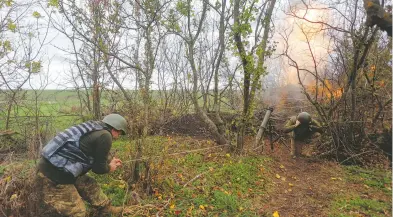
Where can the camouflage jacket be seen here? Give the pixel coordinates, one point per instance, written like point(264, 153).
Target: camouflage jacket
point(303, 131)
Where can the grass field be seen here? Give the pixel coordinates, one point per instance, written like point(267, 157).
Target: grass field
point(61, 108)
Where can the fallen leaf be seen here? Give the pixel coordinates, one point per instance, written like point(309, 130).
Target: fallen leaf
point(366, 186)
point(282, 166)
point(275, 214)
point(290, 184)
point(177, 212)
point(201, 207)
point(333, 178)
point(283, 178)
point(172, 206)
point(294, 177)
point(278, 176)
point(7, 179)
point(241, 209)
point(228, 155)
point(13, 197)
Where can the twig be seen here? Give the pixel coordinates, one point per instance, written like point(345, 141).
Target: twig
point(355, 156)
point(124, 199)
point(193, 179)
point(3, 212)
point(167, 203)
point(196, 177)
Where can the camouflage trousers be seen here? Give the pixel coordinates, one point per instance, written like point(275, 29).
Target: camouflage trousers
point(296, 147)
point(67, 200)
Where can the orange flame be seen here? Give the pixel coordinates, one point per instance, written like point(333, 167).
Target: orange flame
point(326, 91)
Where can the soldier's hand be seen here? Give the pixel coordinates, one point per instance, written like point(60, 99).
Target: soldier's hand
point(114, 164)
point(297, 123)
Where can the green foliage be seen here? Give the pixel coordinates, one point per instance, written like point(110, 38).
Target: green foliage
point(354, 202)
point(183, 8)
point(193, 159)
point(217, 5)
point(36, 14)
point(102, 45)
point(33, 67)
point(2, 168)
point(219, 191)
point(7, 3)
point(11, 26)
point(373, 178)
point(53, 3)
point(171, 23)
point(115, 192)
point(242, 174)
point(246, 17)
point(353, 206)
point(7, 45)
point(115, 189)
point(224, 201)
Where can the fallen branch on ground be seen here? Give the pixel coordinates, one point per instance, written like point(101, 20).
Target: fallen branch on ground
point(196, 177)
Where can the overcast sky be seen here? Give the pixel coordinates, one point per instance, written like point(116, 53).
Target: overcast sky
point(56, 66)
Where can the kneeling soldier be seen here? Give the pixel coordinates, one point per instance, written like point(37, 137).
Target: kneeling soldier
point(302, 127)
point(69, 156)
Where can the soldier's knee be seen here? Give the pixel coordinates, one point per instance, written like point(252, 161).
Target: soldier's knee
point(81, 211)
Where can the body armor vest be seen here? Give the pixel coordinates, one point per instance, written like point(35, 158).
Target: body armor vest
point(63, 150)
point(302, 132)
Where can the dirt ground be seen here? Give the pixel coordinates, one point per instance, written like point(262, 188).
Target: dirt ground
point(306, 186)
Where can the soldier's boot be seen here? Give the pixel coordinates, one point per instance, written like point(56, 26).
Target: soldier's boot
point(111, 211)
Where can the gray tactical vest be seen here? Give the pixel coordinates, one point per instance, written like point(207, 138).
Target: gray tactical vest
point(63, 150)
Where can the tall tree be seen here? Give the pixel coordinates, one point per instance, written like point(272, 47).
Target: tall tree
point(252, 60)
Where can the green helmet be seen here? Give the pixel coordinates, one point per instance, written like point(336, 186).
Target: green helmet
point(304, 118)
point(116, 121)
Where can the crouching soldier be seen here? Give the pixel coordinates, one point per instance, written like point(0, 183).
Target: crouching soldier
point(67, 158)
point(301, 127)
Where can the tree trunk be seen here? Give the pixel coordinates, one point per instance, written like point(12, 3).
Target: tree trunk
point(247, 75)
point(10, 103)
point(96, 65)
point(216, 105)
point(220, 139)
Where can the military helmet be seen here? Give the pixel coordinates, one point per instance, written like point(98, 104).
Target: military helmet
point(304, 118)
point(116, 121)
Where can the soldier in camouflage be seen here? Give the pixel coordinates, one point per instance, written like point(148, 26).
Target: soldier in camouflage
point(301, 127)
point(68, 157)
